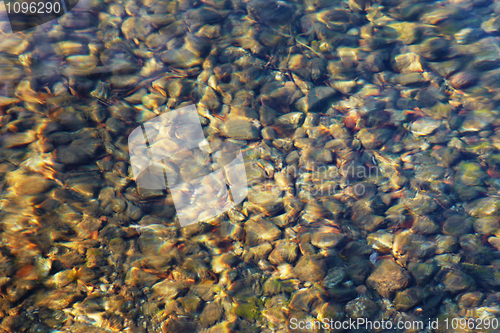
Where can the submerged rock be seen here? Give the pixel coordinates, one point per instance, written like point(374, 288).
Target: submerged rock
point(310, 268)
point(388, 278)
point(78, 152)
point(456, 281)
point(424, 126)
point(408, 298)
point(316, 100)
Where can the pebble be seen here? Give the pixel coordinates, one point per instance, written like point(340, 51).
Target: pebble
point(388, 277)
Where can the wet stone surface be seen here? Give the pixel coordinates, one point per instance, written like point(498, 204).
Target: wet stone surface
point(369, 134)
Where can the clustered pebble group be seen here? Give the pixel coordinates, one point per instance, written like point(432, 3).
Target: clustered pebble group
point(369, 133)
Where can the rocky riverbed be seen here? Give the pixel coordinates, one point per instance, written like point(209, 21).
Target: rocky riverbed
point(369, 131)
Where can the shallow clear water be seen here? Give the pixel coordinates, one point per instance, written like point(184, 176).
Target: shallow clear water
point(344, 169)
